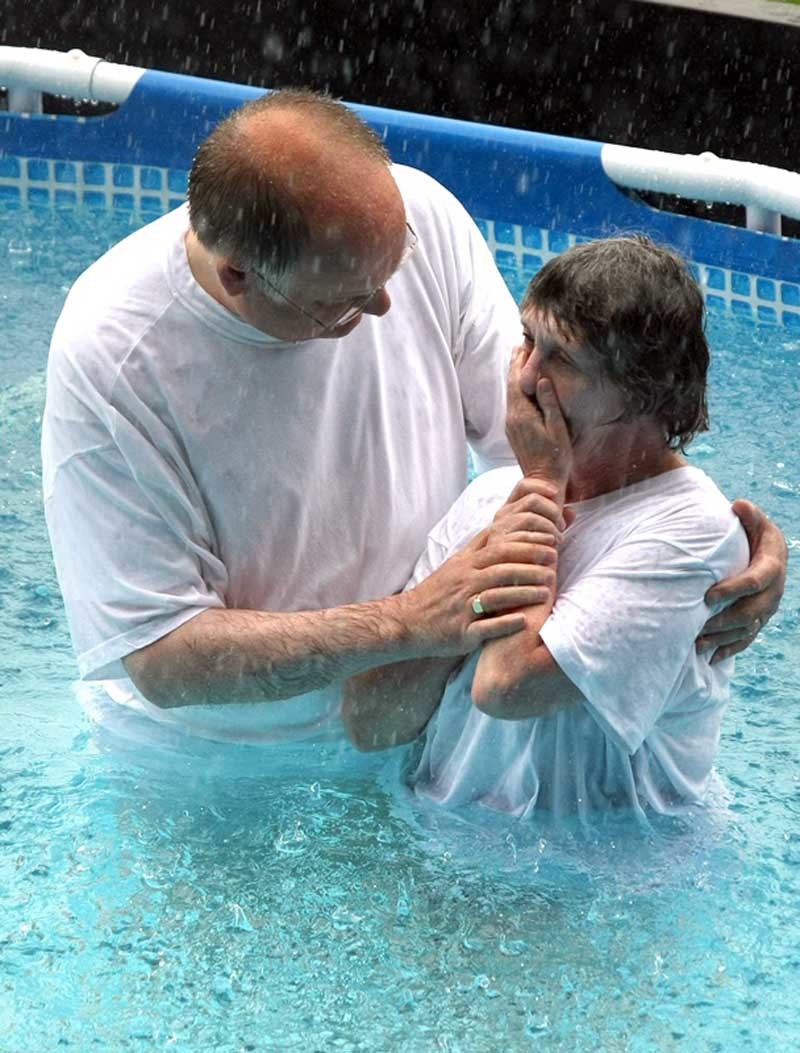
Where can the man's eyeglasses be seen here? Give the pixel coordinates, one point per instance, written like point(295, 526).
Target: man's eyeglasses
point(355, 307)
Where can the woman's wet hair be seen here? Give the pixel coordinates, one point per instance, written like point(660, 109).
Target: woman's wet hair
point(637, 306)
point(249, 210)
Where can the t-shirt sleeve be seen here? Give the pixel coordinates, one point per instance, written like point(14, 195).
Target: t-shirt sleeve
point(132, 542)
point(623, 630)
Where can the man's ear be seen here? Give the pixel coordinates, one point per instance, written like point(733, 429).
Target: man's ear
point(232, 279)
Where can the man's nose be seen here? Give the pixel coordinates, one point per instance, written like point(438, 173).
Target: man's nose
point(378, 304)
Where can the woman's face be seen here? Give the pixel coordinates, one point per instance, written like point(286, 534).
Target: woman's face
point(589, 401)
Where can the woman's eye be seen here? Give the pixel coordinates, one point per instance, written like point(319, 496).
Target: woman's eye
point(562, 360)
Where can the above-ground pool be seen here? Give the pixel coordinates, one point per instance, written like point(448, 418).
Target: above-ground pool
point(195, 896)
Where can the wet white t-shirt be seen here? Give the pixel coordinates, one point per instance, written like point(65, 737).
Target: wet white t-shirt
point(633, 570)
point(191, 461)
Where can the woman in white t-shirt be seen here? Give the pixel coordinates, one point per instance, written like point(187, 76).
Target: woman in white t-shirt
point(602, 700)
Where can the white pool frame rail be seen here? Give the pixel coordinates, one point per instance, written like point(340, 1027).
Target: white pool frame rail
point(767, 193)
point(27, 72)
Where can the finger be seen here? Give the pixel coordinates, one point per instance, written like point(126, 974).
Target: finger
point(509, 575)
point(509, 556)
point(541, 514)
point(718, 625)
point(496, 601)
point(752, 519)
point(709, 642)
point(533, 503)
point(735, 588)
point(483, 629)
point(518, 358)
point(532, 486)
point(553, 417)
point(534, 527)
point(478, 542)
point(728, 651)
point(742, 615)
point(527, 525)
point(529, 537)
point(533, 523)
point(519, 354)
point(526, 486)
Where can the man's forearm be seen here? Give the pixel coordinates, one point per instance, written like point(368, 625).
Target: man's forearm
point(391, 705)
point(248, 656)
point(225, 655)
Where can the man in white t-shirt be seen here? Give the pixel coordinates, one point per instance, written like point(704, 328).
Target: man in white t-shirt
point(243, 456)
point(244, 448)
point(603, 699)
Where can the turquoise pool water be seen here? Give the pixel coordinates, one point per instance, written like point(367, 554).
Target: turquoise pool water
point(233, 899)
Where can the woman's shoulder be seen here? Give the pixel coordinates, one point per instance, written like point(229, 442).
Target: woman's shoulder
point(475, 507)
point(489, 489)
point(685, 510)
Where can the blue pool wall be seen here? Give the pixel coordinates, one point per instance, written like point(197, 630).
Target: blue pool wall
point(532, 194)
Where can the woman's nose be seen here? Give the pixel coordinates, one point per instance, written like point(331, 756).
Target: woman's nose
point(529, 374)
point(379, 304)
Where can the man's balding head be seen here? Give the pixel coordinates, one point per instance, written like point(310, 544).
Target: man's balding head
point(291, 175)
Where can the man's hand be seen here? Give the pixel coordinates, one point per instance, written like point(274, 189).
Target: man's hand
point(506, 575)
point(756, 591)
point(536, 428)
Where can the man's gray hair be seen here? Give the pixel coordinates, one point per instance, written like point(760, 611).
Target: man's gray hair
point(246, 209)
